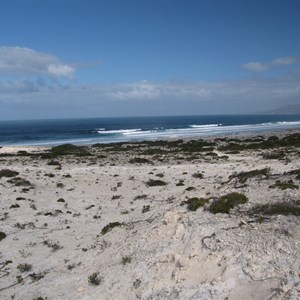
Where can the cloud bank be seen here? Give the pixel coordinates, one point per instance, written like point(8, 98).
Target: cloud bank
point(260, 67)
point(17, 61)
point(32, 87)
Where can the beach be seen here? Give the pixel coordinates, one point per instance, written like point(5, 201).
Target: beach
point(211, 218)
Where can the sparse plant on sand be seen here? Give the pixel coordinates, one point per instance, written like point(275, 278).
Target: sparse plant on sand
point(126, 260)
point(94, 279)
point(110, 226)
point(8, 173)
point(146, 208)
point(24, 267)
point(284, 185)
point(53, 245)
point(198, 175)
point(194, 203)
point(244, 176)
point(2, 235)
point(281, 208)
point(152, 182)
point(139, 160)
point(227, 202)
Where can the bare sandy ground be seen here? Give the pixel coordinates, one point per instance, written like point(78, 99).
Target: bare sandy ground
point(55, 246)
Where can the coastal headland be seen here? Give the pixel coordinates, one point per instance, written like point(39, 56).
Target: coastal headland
point(211, 218)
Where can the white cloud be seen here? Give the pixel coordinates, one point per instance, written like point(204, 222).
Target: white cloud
point(145, 90)
point(137, 91)
point(260, 67)
point(17, 61)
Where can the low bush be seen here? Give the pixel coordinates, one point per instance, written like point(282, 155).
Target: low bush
point(153, 182)
point(94, 279)
point(110, 226)
point(24, 267)
point(198, 175)
point(280, 208)
point(194, 203)
point(8, 173)
point(139, 160)
point(244, 176)
point(227, 202)
point(284, 185)
point(2, 235)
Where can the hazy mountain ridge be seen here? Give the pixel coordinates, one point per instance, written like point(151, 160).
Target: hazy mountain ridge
point(287, 109)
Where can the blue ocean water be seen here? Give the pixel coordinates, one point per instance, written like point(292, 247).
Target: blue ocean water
point(107, 130)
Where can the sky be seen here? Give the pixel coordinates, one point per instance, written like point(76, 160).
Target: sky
point(110, 58)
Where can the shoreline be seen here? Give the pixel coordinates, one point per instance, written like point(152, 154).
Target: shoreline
point(242, 135)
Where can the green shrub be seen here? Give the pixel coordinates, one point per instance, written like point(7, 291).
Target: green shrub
point(244, 176)
point(140, 160)
point(194, 203)
point(24, 267)
point(139, 197)
point(94, 279)
point(227, 202)
point(198, 175)
point(153, 182)
point(2, 235)
point(284, 185)
point(110, 226)
point(146, 208)
point(18, 181)
point(190, 188)
point(53, 163)
point(8, 173)
point(276, 209)
point(126, 260)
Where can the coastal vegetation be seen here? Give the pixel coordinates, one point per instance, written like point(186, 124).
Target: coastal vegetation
point(225, 203)
point(281, 208)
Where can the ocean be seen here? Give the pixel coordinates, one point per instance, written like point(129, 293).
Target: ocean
point(110, 130)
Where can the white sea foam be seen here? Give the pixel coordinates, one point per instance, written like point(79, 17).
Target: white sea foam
point(193, 130)
point(119, 131)
point(205, 126)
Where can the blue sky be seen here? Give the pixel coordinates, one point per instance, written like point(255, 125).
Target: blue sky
point(89, 58)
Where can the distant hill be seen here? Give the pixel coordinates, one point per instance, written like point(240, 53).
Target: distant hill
point(287, 109)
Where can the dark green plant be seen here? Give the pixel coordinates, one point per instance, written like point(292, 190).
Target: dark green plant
point(18, 181)
point(139, 160)
point(284, 185)
point(194, 203)
point(2, 235)
point(190, 188)
point(280, 208)
point(8, 173)
point(244, 176)
point(180, 183)
point(139, 197)
point(160, 175)
point(94, 279)
point(227, 202)
point(24, 267)
point(274, 155)
point(53, 245)
point(14, 206)
point(53, 163)
point(198, 175)
point(110, 226)
point(153, 182)
point(126, 260)
point(145, 208)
